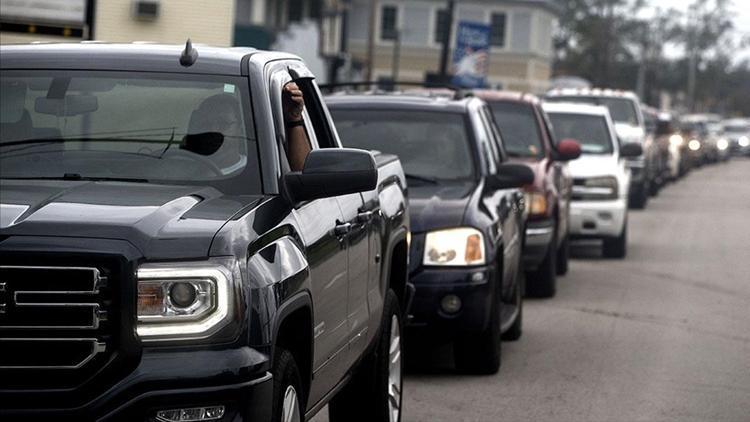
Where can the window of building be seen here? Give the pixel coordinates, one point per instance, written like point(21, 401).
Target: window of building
point(497, 23)
point(441, 25)
point(295, 10)
point(388, 23)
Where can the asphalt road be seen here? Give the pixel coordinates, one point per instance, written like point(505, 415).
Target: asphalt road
point(663, 335)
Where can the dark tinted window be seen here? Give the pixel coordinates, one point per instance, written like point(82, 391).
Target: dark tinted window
point(173, 128)
point(590, 131)
point(622, 110)
point(497, 27)
point(433, 145)
point(520, 129)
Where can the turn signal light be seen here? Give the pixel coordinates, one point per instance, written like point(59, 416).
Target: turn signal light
point(474, 248)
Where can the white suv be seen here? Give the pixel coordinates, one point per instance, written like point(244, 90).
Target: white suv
point(601, 177)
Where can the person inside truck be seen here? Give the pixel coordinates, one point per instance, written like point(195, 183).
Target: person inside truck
point(221, 113)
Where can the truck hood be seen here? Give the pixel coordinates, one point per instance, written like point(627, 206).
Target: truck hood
point(433, 207)
point(162, 221)
point(590, 165)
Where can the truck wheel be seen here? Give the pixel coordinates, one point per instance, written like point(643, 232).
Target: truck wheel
point(616, 247)
point(543, 281)
point(563, 256)
point(287, 390)
point(375, 392)
point(480, 353)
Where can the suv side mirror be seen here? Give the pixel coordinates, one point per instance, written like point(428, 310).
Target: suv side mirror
point(631, 150)
point(568, 149)
point(510, 175)
point(333, 172)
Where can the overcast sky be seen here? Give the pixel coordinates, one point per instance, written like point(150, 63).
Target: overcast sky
point(740, 8)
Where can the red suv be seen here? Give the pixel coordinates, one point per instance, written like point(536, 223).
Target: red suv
point(528, 138)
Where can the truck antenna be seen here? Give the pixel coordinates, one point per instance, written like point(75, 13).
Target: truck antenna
point(189, 54)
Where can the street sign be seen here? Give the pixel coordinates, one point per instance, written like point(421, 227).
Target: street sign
point(471, 56)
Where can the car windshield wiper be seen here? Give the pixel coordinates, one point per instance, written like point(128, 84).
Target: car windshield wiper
point(76, 176)
point(425, 179)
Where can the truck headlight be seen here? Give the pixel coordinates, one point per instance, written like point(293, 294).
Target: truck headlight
point(184, 301)
point(744, 141)
point(605, 187)
point(454, 247)
point(722, 144)
point(676, 140)
point(694, 145)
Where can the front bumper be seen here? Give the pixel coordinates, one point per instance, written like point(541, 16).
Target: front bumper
point(237, 379)
point(597, 219)
point(472, 285)
point(539, 235)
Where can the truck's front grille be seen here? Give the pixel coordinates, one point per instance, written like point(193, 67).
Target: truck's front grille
point(54, 322)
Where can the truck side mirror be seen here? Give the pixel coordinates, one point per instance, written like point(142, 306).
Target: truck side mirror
point(510, 175)
point(631, 150)
point(332, 172)
point(568, 149)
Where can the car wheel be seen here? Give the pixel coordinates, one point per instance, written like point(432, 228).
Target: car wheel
point(375, 392)
point(514, 332)
point(616, 247)
point(563, 256)
point(543, 281)
point(480, 353)
point(287, 389)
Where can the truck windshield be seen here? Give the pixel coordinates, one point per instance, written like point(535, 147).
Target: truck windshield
point(589, 130)
point(169, 128)
point(519, 128)
point(430, 145)
point(622, 110)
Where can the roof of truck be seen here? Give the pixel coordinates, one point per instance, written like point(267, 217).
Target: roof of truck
point(399, 101)
point(575, 108)
point(138, 56)
point(592, 92)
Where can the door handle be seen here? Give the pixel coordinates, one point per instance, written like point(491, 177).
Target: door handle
point(364, 217)
point(342, 229)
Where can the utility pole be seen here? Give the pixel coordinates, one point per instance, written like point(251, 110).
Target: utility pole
point(371, 40)
point(692, 59)
point(395, 61)
point(446, 42)
point(88, 26)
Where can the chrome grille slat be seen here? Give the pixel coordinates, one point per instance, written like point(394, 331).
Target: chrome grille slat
point(44, 306)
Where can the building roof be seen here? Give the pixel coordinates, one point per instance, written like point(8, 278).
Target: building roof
point(125, 57)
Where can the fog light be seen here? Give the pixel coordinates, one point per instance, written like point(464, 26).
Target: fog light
point(451, 304)
point(210, 413)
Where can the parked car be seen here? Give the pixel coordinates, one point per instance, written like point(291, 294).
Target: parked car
point(720, 142)
point(625, 111)
point(651, 117)
point(695, 133)
point(671, 140)
point(527, 139)
point(146, 187)
point(466, 211)
point(599, 208)
point(737, 132)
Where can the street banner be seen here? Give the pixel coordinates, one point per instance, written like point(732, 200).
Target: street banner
point(471, 56)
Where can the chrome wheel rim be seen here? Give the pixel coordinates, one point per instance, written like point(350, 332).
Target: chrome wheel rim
point(290, 407)
point(394, 371)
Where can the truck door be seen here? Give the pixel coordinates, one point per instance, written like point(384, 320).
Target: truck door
point(325, 236)
point(357, 220)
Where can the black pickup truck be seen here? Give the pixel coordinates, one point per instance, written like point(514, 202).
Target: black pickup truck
point(152, 269)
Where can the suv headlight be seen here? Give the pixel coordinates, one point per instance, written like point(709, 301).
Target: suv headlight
point(454, 247)
point(596, 188)
point(184, 301)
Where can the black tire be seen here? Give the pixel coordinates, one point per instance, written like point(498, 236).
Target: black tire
point(480, 353)
point(616, 247)
point(639, 198)
point(543, 281)
point(285, 376)
point(563, 256)
point(367, 396)
point(515, 331)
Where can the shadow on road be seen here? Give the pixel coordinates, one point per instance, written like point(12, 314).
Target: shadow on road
point(586, 250)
